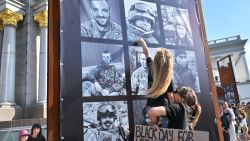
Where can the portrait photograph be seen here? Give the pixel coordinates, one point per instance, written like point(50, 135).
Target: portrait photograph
point(176, 26)
point(139, 70)
point(176, 3)
point(105, 121)
point(185, 70)
point(142, 21)
point(103, 70)
point(100, 19)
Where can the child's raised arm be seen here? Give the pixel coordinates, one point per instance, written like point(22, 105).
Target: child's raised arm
point(143, 44)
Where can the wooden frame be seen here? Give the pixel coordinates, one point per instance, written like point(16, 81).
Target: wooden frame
point(54, 71)
point(210, 73)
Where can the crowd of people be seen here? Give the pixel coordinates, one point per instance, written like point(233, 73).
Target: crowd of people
point(235, 121)
point(35, 135)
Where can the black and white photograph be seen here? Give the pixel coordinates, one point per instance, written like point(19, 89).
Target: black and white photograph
point(105, 121)
point(176, 26)
point(139, 70)
point(100, 19)
point(142, 21)
point(185, 70)
point(229, 95)
point(177, 3)
point(103, 70)
point(140, 110)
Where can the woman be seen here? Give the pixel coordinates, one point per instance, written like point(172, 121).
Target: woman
point(243, 125)
point(159, 78)
point(23, 135)
point(36, 133)
point(229, 114)
point(183, 114)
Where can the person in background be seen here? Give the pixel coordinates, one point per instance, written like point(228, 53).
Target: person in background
point(225, 127)
point(229, 114)
point(243, 126)
point(36, 133)
point(23, 135)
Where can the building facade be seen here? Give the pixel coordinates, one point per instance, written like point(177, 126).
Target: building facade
point(23, 53)
point(235, 48)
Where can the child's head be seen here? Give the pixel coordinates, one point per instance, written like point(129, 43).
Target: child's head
point(162, 72)
point(187, 96)
point(23, 135)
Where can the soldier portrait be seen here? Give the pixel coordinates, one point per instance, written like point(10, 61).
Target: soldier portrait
point(142, 21)
point(100, 19)
point(105, 121)
point(138, 70)
point(176, 26)
point(176, 3)
point(185, 70)
point(103, 72)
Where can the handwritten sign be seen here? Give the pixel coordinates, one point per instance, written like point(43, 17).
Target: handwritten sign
point(148, 133)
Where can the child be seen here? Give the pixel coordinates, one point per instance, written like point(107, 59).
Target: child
point(23, 135)
point(183, 114)
point(159, 77)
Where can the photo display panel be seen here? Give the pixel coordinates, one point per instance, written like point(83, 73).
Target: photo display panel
point(104, 74)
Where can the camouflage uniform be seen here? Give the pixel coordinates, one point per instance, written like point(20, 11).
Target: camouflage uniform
point(89, 29)
point(108, 77)
point(138, 11)
point(139, 81)
point(98, 134)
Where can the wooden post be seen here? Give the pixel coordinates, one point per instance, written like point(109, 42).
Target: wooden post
point(53, 71)
point(210, 73)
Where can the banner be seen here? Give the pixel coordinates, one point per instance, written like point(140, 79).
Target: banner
point(103, 73)
point(148, 133)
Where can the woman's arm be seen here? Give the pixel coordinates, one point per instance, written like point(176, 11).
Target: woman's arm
point(143, 44)
point(155, 112)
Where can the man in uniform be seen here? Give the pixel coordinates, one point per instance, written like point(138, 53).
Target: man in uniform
point(141, 23)
point(139, 78)
point(106, 130)
point(106, 79)
point(101, 26)
point(183, 74)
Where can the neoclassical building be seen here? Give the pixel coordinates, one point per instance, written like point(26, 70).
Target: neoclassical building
point(235, 48)
point(23, 59)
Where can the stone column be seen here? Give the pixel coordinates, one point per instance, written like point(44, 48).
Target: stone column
point(7, 76)
point(1, 41)
point(42, 19)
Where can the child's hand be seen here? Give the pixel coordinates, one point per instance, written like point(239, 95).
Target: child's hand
point(157, 127)
point(141, 42)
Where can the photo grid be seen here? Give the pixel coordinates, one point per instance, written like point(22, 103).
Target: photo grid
point(114, 66)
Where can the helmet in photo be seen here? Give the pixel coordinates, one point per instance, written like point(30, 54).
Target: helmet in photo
point(106, 110)
point(141, 10)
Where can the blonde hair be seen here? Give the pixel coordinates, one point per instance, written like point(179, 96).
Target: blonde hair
point(162, 73)
point(190, 99)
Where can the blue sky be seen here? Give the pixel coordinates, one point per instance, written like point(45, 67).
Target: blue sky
point(225, 18)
